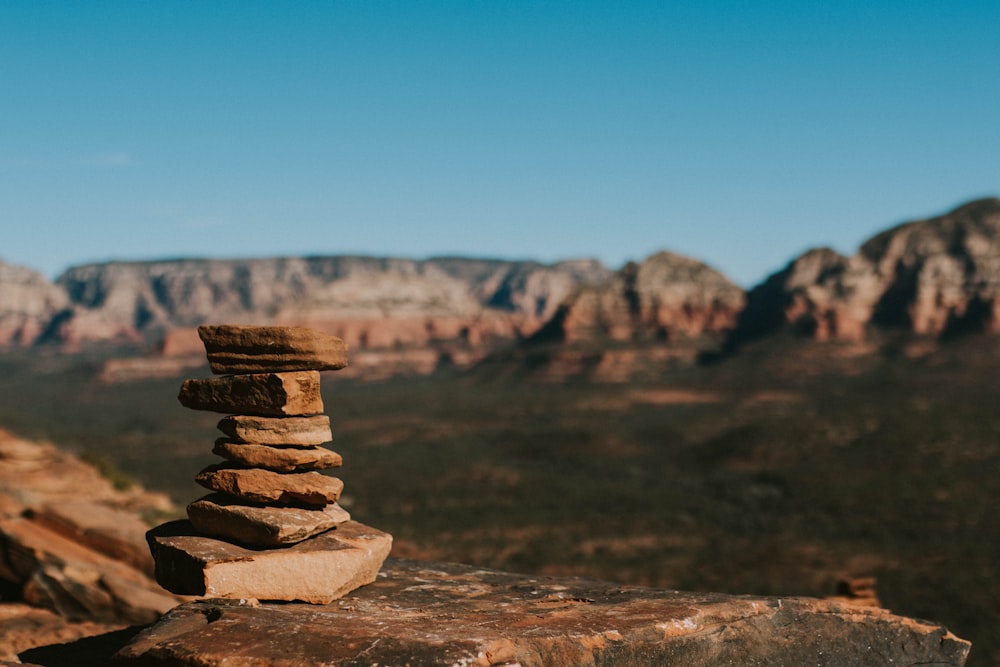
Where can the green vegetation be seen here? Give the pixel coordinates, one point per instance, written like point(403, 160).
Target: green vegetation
point(774, 472)
point(107, 468)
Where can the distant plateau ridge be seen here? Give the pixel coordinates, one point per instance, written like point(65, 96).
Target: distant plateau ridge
point(926, 279)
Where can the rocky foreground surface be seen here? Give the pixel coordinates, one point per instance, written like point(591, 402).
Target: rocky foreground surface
point(420, 613)
point(73, 557)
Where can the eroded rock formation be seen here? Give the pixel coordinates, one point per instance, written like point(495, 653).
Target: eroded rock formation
point(28, 303)
point(667, 297)
point(369, 302)
point(73, 554)
point(665, 309)
point(933, 277)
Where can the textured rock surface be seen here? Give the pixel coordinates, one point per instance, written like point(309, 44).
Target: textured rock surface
point(112, 531)
point(263, 394)
point(317, 570)
point(931, 277)
point(66, 573)
point(76, 582)
point(219, 516)
point(264, 486)
point(257, 349)
point(283, 458)
point(37, 474)
point(23, 627)
point(422, 613)
point(277, 430)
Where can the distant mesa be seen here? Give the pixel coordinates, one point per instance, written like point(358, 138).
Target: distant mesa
point(934, 278)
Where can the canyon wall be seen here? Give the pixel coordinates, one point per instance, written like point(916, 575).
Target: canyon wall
point(932, 278)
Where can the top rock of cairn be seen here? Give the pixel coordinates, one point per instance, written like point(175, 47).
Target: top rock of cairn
point(236, 349)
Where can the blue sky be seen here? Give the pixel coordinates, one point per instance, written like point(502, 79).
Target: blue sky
point(740, 133)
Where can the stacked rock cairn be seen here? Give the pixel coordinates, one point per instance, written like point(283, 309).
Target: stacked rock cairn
point(272, 529)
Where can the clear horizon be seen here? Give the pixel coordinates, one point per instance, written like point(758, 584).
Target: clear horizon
point(738, 134)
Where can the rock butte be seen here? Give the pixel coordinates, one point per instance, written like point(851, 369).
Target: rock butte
point(313, 430)
point(262, 394)
point(246, 349)
point(419, 613)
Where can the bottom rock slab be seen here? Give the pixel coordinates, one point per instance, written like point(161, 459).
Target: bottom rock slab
point(317, 570)
point(421, 613)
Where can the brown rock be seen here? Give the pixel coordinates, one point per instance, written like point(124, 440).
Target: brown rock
point(23, 627)
point(277, 430)
point(35, 473)
point(278, 459)
point(247, 349)
point(262, 394)
point(112, 531)
point(421, 613)
point(219, 516)
point(264, 486)
point(9, 506)
point(317, 570)
point(74, 581)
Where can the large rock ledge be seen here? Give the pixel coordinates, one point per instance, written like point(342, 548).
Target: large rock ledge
point(420, 613)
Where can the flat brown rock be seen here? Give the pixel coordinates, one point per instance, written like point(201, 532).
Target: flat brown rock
point(76, 582)
point(317, 570)
point(250, 349)
point(421, 613)
point(264, 486)
point(112, 531)
point(277, 430)
point(262, 394)
point(279, 459)
point(219, 516)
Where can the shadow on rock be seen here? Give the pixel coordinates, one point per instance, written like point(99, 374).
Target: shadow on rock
point(93, 651)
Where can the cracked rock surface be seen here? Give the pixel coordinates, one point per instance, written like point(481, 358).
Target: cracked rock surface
point(444, 614)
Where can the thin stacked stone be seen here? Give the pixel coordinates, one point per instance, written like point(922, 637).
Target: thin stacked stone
point(268, 493)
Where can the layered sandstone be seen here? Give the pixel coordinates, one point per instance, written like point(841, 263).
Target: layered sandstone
point(667, 309)
point(73, 556)
point(933, 277)
point(235, 349)
point(368, 302)
point(666, 298)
